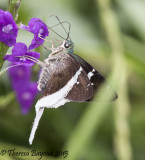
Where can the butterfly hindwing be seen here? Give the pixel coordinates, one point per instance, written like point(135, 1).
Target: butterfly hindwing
point(96, 79)
point(82, 90)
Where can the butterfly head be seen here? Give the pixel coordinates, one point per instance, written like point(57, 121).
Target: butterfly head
point(69, 45)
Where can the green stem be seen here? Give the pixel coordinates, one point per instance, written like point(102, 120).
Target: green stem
point(6, 100)
point(13, 9)
point(121, 111)
point(3, 50)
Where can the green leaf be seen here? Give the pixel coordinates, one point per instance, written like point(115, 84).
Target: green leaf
point(6, 100)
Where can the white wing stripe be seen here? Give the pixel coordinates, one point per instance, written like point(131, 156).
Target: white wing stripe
point(53, 101)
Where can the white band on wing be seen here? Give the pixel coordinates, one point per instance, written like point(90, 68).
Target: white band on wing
point(53, 101)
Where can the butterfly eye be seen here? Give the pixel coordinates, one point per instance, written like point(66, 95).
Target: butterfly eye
point(66, 45)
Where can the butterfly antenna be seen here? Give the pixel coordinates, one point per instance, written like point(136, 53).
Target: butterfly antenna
point(69, 30)
point(42, 44)
point(59, 22)
point(50, 29)
point(62, 25)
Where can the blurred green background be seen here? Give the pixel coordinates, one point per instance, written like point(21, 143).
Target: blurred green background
point(110, 35)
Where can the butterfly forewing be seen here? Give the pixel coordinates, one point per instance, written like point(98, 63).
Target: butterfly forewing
point(62, 73)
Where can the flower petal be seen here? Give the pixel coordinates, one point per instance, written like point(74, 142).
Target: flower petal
point(25, 90)
point(39, 29)
point(8, 28)
point(11, 58)
point(19, 49)
point(36, 42)
point(20, 73)
point(24, 27)
point(26, 96)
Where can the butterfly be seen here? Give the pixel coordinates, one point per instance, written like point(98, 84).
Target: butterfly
point(66, 77)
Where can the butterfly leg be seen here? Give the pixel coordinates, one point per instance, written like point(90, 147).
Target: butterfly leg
point(42, 64)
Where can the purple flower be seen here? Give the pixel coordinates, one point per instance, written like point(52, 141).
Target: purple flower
point(39, 29)
point(19, 75)
point(20, 55)
point(8, 28)
point(26, 95)
point(25, 90)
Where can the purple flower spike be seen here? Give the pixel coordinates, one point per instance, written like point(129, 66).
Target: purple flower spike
point(39, 29)
point(20, 54)
point(19, 75)
point(26, 95)
point(8, 28)
point(25, 90)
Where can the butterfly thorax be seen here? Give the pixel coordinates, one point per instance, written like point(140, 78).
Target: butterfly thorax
point(52, 66)
point(52, 63)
